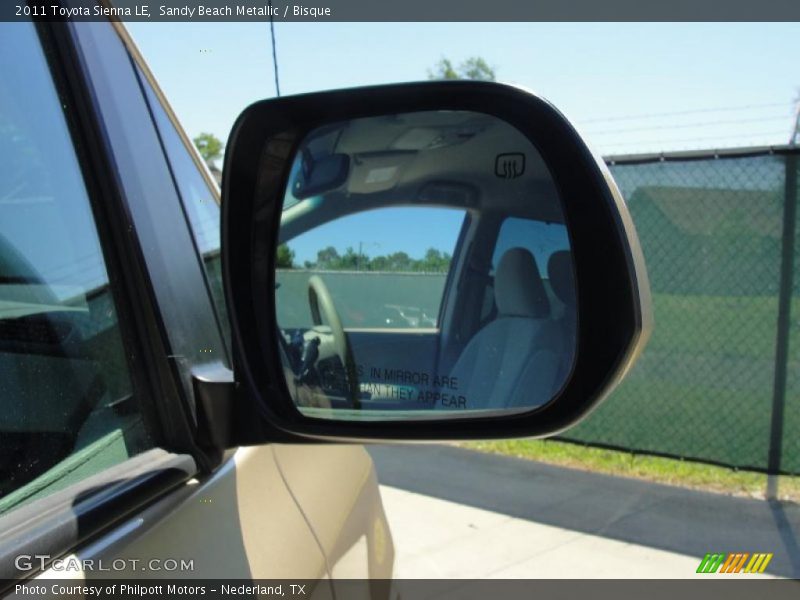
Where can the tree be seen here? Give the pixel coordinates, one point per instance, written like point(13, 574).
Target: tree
point(349, 261)
point(475, 68)
point(435, 261)
point(284, 257)
point(378, 263)
point(443, 70)
point(209, 146)
point(399, 261)
point(327, 258)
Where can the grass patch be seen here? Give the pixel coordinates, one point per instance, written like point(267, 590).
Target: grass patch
point(651, 468)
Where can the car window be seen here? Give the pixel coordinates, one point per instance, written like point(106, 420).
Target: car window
point(543, 240)
point(67, 408)
point(385, 268)
point(199, 202)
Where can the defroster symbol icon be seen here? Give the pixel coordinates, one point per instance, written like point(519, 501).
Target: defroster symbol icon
point(509, 165)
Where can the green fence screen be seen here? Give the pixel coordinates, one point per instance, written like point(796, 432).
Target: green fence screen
point(720, 253)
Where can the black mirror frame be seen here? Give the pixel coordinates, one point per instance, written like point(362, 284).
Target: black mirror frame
point(614, 311)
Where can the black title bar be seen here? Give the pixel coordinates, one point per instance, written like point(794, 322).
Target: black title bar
point(404, 10)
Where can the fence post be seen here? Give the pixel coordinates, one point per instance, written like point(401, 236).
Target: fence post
point(784, 323)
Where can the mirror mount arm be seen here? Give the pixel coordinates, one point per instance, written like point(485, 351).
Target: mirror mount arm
point(215, 396)
point(227, 419)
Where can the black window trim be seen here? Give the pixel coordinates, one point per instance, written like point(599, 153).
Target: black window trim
point(89, 153)
point(164, 389)
point(160, 235)
point(58, 523)
point(137, 312)
point(146, 79)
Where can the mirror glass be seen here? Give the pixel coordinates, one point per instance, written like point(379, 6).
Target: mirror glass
point(423, 270)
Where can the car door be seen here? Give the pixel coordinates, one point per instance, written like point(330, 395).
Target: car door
point(105, 323)
point(335, 487)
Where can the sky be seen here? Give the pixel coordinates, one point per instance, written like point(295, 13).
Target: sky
point(621, 83)
point(629, 87)
point(382, 232)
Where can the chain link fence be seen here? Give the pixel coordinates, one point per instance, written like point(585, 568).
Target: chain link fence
point(719, 381)
point(720, 378)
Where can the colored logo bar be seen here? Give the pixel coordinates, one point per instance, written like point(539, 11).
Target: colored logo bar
point(735, 562)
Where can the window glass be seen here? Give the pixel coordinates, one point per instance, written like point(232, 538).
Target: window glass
point(385, 268)
point(199, 201)
point(66, 403)
point(542, 240)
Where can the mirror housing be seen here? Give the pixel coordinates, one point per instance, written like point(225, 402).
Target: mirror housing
point(614, 316)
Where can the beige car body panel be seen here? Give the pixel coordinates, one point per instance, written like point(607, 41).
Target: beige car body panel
point(361, 534)
point(244, 522)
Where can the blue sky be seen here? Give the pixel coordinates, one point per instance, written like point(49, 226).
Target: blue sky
point(601, 75)
point(381, 232)
point(633, 87)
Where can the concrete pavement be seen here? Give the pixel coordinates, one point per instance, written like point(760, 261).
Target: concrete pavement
point(457, 513)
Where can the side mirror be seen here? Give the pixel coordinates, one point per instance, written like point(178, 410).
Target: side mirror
point(454, 263)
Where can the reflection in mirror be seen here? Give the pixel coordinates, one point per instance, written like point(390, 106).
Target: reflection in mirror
point(423, 267)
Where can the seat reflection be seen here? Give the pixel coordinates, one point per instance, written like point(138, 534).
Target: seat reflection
point(515, 360)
